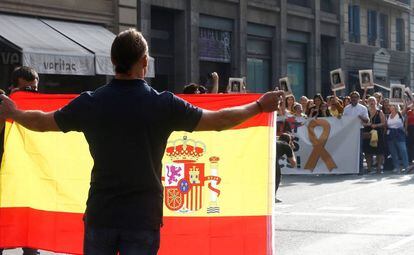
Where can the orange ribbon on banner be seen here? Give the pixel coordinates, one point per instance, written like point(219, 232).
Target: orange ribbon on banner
point(319, 150)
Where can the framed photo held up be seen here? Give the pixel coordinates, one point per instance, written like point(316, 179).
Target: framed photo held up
point(284, 84)
point(366, 79)
point(236, 85)
point(337, 80)
point(397, 94)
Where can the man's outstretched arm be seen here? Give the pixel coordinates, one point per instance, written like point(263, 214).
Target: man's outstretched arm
point(33, 120)
point(230, 117)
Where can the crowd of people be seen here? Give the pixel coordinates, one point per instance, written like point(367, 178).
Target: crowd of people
point(387, 130)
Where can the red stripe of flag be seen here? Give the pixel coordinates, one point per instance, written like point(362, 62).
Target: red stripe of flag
point(63, 232)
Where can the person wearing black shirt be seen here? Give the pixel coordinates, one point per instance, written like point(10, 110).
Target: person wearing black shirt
point(22, 79)
point(126, 124)
point(284, 147)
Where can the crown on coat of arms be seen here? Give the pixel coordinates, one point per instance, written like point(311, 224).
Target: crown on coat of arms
point(185, 150)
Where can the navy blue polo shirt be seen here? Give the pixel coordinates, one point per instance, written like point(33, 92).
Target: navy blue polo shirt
point(126, 124)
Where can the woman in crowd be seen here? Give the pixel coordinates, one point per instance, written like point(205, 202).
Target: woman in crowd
point(335, 108)
point(304, 102)
point(373, 142)
point(324, 111)
point(316, 110)
point(396, 139)
point(290, 102)
point(346, 101)
point(309, 106)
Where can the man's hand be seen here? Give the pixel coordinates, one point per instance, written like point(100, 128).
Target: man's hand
point(215, 76)
point(7, 107)
point(269, 102)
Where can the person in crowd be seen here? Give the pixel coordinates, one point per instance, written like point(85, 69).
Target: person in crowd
point(336, 108)
point(386, 107)
point(409, 125)
point(283, 112)
point(396, 139)
point(316, 110)
point(324, 111)
point(300, 116)
point(304, 102)
point(355, 109)
point(194, 88)
point(290, 102)
point(309, 106)
point(373, 135)
point(125, 204)
point(346, 101)
point(284, 147)
point(23, 78)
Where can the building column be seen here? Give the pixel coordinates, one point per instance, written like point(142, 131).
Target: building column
point(240, 49)
point(144, 18)
point(282, 38)
point(316, 50)
point(126, 15)
point(192, 36)
point(341, 43)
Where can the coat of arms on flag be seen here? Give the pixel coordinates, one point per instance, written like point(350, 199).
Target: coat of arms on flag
point(185, 177)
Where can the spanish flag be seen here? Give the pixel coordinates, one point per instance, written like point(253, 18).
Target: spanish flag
point(218, 186)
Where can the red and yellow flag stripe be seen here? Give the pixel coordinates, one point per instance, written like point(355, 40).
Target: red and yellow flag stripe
point(45, 177)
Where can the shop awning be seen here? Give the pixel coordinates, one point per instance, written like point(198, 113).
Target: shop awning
point(45, 49)
point(95, 38)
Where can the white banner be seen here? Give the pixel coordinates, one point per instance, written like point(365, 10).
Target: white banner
point(323, 145)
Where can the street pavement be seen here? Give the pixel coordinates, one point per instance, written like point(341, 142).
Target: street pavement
point(345, 215)
point(341, 215)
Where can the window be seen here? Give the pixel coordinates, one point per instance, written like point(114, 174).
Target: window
point(383, 26)
point(304, 3)
point(259, 51)
point(372, 27)
point(326, 5)
point(353, 23)
point(400, 40)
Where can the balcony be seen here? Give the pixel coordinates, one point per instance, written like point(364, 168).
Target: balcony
point(400, 4)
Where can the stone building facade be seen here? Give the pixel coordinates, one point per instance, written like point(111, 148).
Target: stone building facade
point(376, 35)
point(261, 40)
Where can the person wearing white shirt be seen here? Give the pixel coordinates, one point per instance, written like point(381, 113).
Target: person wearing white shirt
point(396, 139)
point(357, 110)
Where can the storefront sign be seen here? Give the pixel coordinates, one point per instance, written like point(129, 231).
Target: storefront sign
point(55, 64)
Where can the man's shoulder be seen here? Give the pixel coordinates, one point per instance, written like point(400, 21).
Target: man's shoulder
point(362, 107)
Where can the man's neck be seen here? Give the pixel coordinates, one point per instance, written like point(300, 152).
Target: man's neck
point(120, 76)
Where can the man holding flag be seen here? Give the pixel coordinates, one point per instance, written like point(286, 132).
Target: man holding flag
point(126, 124)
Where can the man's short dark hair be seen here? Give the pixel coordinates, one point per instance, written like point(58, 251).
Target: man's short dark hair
point(24, 72)
point(354, 93)
point(285, 137)
point(194, 89)
point(127, 49)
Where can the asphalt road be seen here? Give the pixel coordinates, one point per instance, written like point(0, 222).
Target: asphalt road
point(342, 215)
point(345, 215)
